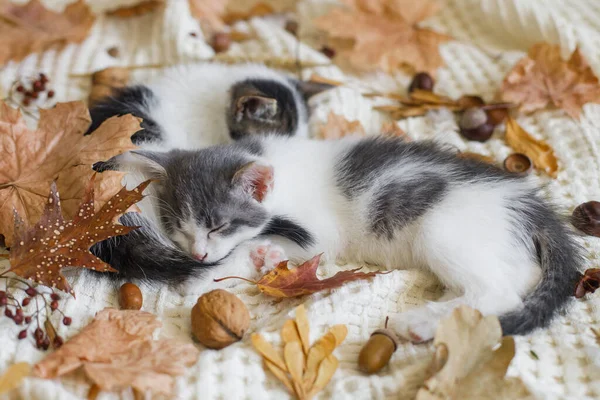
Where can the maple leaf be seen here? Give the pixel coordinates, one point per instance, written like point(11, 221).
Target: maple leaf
point(543, 78)
point(467, 365)
point(56, 151)
point(41, 251)
point(135, 10)
point(302, 280)
point(384, 34)
point(116, 350)
point(32, 28)
point(337, 127)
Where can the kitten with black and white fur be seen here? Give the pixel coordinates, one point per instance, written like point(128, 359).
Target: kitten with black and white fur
point(191, 107)
point(486, 234)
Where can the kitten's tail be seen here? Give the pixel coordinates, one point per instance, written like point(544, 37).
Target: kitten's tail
point(145, 254)
point(560, 258)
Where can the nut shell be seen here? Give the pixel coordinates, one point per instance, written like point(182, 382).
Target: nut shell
point(378, 350)
point(422, 81)
point(219, 319)
point(130, 297)
point(221, 42)
point(518, 163)
point(586, 218)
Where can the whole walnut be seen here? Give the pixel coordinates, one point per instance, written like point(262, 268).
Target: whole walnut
point(219, 319)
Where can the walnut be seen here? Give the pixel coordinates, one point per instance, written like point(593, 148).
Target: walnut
point(219, 319)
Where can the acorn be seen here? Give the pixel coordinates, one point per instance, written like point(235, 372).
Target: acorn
point(467, 100)
point(586, 218)
point(474, 125)
point(376, 353)
point(130, 297)
point(421, 81)
point(518, 163)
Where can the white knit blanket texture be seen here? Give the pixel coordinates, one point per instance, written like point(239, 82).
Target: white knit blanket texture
point(561, 362)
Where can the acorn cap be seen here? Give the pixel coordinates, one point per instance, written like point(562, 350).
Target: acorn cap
point(389, 333)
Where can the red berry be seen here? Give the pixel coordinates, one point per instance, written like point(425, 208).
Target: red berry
point(57, 342)
point(193, 34)
point(54, 305)
point(45, 343)
point(26, 301)
point(19, 312)
point(43, 78)
point(8, 313)
point(20, 88)
point(421, 81)
point(38, 86)
point(34, 95)
point(3, 301)
point(18, 319)
point(55, 296)
point(50, 94)
point(23, 334)
point(39, 334)
point(31, 292)
point(28, 319)
point(2, 293)
point(67, 321)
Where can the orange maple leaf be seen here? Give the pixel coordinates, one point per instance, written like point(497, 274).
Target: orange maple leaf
point(41, 251)
point(543, 78)
point(337, 127)
point(302, 280)
point(32, 28)
point(116, 350)
point(384, 34)
point(56, 151)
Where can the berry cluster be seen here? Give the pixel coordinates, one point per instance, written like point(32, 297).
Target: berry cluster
point(46, 303)
point(32, 90)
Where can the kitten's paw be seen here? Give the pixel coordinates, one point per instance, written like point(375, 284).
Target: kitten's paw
point(266, 256)
point(417, 326)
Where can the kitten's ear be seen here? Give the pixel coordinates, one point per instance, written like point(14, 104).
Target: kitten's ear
point(309, 88)
point(256, 179)
point(255, 107)
point(151, 164)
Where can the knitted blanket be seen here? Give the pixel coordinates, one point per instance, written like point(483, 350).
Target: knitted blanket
point(561, 362)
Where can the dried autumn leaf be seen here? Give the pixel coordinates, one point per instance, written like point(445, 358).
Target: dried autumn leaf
point(279, 374)
point(41, 251)
point(13, 376)
point(321, 350)
point(476, 156)
point(303, 327)
point(321, 79)
point(543, 78)
point(294, 360)
point(32, 28)
point(466, 366)
point(56, 151)
point(326, 370)
point(337, 127)
point(384, 34)
point(267, 351)
point(540, 152)
point(302, 280)
point(135, 10)
point(392, 129)
point(116, 350)
point(289, 332)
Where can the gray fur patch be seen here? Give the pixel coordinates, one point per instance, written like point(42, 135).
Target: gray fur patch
point(398, 204)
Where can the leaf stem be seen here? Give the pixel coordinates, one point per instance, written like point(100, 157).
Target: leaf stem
point(235, 277)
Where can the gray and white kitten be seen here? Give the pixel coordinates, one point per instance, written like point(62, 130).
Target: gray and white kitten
point(191, 107)
point(486, 234)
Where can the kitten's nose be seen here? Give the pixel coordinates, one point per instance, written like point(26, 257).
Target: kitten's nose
point(200, 257)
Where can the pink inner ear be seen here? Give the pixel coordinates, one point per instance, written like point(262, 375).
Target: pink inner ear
point(260, 180)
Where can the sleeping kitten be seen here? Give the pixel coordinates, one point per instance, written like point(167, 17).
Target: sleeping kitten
point(485, 233)
point(191, 107)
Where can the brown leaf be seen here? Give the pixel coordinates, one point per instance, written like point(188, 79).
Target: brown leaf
point(135, 10)
point(384, 34)
point(32, 28)
point(469, 367)
point(403, 112)
point(543, 78)
point(56, 151)
point(41, 251)
point(477, 156)
point(216, 14)
point(116, 350)
point(209, 13)
point(13, 376)
point(540, 152)
point(337, 127)
point(392, 129)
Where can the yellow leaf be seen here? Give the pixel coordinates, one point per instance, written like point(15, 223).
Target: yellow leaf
point(322, 349)
point(280, 374)
point(540, 152)
point(267, 351)
point(289, 332)
point(303, 327)
point(326, 370)
point(294, 359)
point(13, 376)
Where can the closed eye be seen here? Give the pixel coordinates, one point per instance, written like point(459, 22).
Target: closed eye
point(218, 228)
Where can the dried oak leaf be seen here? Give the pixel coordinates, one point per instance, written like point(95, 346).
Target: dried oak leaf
point(302, 280)
point(56, 150)
point(465, 364)
point(116, 350)
point(32, 28)
point(540, 152)
point(384, 34)
point(337, 127)
point(40, 252)
point(140, 8)
point(544, 78)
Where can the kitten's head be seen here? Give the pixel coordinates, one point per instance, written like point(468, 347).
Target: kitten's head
point(266, 105)
point(209, 200)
